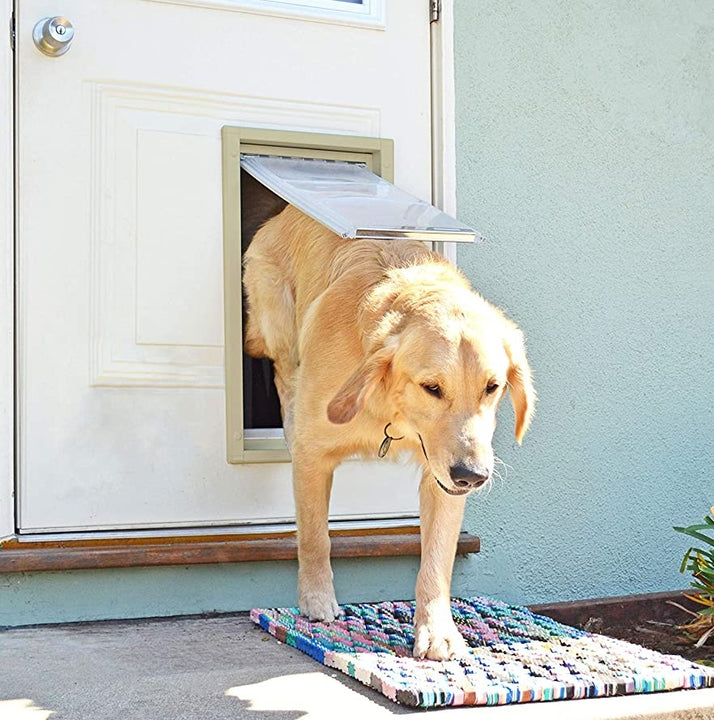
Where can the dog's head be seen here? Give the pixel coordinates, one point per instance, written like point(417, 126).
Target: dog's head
point(441, 361)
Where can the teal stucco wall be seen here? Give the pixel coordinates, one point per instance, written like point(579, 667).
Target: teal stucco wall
point(56, 597)
point(585, 150)
point(585, 154)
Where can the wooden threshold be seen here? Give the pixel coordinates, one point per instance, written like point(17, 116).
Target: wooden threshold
point(17, 555)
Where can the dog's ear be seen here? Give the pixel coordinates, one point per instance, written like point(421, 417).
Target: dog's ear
point(350, 398)
point(520, 382)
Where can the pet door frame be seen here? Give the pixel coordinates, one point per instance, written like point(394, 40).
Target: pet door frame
point(376, 153)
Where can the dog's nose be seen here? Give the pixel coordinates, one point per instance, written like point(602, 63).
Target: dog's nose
point(464, 476)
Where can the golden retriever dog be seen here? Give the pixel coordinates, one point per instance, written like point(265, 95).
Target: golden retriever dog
point(375, 339)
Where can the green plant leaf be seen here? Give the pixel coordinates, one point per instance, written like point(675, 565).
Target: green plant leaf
point(700, 563)
point(695, 526)
point(706, 570)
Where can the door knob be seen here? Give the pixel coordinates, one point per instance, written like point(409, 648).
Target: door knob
point(53, 35)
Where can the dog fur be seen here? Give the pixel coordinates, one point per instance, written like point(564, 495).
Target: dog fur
point(368, 333)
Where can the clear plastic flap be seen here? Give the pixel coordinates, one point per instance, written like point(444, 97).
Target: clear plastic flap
point(352, 201)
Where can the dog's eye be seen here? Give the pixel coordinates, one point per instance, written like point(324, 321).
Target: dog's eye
point(491, 388)
point(432, 389)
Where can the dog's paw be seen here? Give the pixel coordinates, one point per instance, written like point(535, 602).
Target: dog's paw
point(320, 606)
point(439, 640)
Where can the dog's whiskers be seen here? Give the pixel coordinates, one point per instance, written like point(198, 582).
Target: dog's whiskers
point(500, 469)
point(486, 488)
point(506, 467)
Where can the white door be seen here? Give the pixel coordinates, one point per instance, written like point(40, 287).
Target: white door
point(120, 358)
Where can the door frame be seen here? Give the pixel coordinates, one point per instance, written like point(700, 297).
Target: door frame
point(376, 153)
point(7, 276)
point(443, 195)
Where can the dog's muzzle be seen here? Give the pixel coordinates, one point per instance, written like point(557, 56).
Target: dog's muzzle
point(464, 479)
point(467, 477)
point(451, 491)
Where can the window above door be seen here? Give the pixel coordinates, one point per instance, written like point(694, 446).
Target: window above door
point(365, 13)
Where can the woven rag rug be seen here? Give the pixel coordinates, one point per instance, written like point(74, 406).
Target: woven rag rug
point(515, 656)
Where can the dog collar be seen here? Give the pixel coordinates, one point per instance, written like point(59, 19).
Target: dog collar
point(384, 447)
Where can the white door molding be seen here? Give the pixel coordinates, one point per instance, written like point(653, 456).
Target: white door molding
point(443, 117)
point(7, 280)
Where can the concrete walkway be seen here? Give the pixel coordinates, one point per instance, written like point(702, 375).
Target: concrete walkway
point(225, 668)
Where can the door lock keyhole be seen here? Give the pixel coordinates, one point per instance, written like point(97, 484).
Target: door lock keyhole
point(53, 35)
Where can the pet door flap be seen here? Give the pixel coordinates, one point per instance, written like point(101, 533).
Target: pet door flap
point(352, 201)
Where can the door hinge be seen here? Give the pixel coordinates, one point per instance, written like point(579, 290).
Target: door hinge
point(12, 32)
point(434, 10)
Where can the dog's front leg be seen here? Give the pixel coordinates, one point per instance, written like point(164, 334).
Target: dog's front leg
point(435, 634)
point(285, 385)
point(312, 483)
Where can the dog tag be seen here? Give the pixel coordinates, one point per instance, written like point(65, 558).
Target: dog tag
point(384, 447)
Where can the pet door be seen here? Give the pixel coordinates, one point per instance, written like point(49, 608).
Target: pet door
point(342, 182)
point(352, 201)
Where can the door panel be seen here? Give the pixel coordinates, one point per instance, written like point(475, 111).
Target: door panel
point(121, 407)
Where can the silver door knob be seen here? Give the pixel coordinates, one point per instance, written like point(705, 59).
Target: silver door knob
point(53, 35)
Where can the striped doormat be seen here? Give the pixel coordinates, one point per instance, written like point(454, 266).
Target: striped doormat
point(515, 656)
